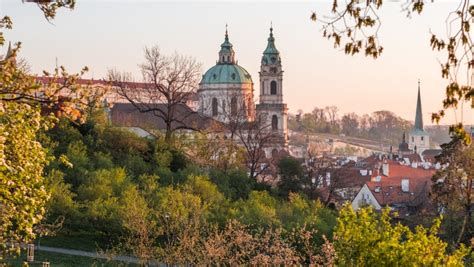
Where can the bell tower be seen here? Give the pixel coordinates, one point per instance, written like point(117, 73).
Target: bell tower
point(271, 103)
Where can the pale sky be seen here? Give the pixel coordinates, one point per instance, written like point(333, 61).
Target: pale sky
point(112, 34)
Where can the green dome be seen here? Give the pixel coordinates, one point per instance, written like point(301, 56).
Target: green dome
point(226, 73)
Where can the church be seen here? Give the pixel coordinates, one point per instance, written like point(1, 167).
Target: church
point(418, 139)
point(225, 96)
point(226, 91)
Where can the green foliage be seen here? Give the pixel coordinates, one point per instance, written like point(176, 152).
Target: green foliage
point(259, 209)
point(364, 238)
point(61, 202)
point(234, 184)
point(178, 209)
point(291, 173)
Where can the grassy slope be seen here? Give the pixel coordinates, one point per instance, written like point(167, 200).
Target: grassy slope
point(61, 260)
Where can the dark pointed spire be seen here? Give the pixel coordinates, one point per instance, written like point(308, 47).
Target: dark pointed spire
point(419, 113)
point(271, 49)
point(226, 34)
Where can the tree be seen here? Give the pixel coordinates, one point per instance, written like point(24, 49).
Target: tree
point(291, 173)
point(141, 229)
point(216, 150)
point(364, 238)
point(22, 161)
point(181, 217)
point(259, 209)
point(22, 157)
point(350, 124)
point(332, 115)
point(168, 83)
point(355, 26)
point(256, 136)
point(453, 189)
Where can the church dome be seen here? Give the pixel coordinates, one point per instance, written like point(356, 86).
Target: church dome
point(226, 70)
point(226, 73)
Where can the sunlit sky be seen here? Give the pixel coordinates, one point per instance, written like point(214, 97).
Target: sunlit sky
point(112, 34)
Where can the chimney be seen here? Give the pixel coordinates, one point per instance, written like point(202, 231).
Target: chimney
point(405, 185)
point(385, 169)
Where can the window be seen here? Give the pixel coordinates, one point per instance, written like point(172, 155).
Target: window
point(233, 106)
point(422, 138)
point(274, 122)
point(413, 139)
point(233, 76)
point(214, 107)
point(273, 88)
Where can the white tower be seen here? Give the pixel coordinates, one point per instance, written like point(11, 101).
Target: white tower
point(271, 104)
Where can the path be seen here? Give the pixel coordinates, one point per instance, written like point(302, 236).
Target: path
point(82, 253)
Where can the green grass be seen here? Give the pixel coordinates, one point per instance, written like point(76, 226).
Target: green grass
point(62, 260)
point(79, 241)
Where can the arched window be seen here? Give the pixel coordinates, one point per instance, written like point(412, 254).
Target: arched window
point(233, 106)
point(214, 107)
point(273, 88)
point(274, 122)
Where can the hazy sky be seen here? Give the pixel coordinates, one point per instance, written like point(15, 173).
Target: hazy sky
point(112, 34)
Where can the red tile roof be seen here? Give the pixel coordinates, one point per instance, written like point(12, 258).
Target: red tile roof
point(389, 190)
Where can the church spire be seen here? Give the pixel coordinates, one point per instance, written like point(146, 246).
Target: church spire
point(271, 49)
point(419, 113)
point(227, 54)
point(271, 55)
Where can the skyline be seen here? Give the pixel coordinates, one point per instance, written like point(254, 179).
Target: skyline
point(316, 74)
